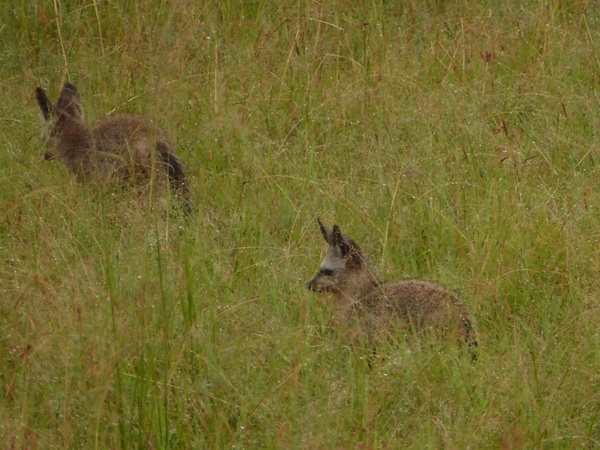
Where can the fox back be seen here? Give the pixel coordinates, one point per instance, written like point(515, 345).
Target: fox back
point(121, 148)
point(378, 308)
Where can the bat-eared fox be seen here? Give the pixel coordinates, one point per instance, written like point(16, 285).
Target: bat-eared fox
point(123, 148)
point(374, 308)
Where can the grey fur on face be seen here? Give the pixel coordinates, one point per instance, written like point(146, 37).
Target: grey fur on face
point(343, 256)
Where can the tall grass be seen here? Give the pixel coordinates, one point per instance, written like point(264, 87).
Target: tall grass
point(457, 140)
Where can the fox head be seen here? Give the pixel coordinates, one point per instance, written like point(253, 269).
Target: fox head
point(65, 130)
point(343, 265)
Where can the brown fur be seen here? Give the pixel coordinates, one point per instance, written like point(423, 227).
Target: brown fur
point(122, 148)
point(375, 309)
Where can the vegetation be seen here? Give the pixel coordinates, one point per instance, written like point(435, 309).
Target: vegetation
point(457, 139)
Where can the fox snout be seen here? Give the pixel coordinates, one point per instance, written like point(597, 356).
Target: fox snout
point(313, 284)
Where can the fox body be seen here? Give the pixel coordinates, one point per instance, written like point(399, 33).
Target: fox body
point(383, 309)
point(121, 148)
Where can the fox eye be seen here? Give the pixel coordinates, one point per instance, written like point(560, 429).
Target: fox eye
point(326, 272)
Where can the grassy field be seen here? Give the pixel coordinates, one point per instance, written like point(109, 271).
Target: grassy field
point(458, 140)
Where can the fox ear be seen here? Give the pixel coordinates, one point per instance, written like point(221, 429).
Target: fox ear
point(46, 105)
point(347, 248)
point(340, 241)
point(69, 101)
point(325, 232)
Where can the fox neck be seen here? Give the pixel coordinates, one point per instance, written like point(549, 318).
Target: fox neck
point(75, 144)
point(358, 288)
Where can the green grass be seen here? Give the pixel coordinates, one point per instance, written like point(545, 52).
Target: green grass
point(457, 140)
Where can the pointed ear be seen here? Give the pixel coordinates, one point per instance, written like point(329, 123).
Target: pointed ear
point(69, 101)
point(325, 232)
point(347, 247)
point(339, 241)
point(46, 105)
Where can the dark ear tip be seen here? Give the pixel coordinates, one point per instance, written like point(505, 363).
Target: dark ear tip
point(324, 231)
point(44, 103)
point(70, 87)
point(321, 226)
